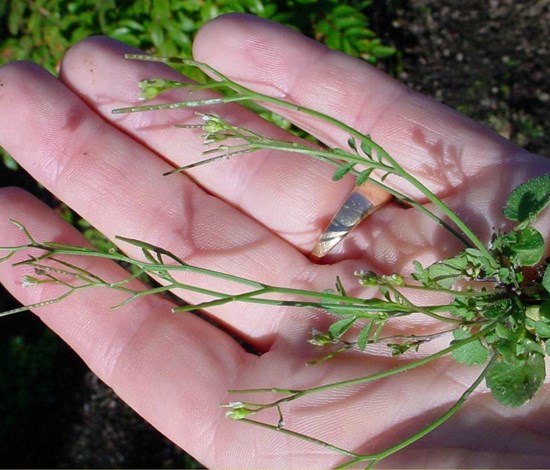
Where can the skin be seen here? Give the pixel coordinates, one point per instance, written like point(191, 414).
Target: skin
point(258, 217)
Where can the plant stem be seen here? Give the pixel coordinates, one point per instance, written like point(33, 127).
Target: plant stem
point(377, 457)
point(373, 377)
point(246, 94)
point(326, 300)
point(298, 435)
point(424, 431)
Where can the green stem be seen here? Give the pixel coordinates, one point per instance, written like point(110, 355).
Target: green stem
point(373, 377)
point(342, 302)
point(328, 301)
point(246, 94)
point(375, 458)
point(397, 168)
point(52, 250)
point(298, 435)
point(60, 249)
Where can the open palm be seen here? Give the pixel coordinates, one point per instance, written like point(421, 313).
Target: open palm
point(257, 217)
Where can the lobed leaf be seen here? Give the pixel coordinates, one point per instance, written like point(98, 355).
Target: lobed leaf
point(471, 353)
point(524, 247)
point(546, 278)
point(515, 381)
point(528, 199)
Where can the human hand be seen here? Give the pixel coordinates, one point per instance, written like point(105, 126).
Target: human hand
point(257, 217)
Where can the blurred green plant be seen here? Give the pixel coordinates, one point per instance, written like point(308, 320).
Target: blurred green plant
point(42, 30)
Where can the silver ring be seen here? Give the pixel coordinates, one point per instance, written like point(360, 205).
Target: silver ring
point(362, 202)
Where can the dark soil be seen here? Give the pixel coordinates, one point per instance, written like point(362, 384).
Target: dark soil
point(490, 59)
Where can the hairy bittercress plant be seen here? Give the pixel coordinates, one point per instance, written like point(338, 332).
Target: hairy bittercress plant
point(496, 316)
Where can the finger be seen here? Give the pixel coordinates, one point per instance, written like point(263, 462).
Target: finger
point(117, 185)
point(292, 195)
point(174, 370)
point(468, 165)
point(430, 140)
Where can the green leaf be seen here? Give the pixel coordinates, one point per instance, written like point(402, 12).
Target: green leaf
point(342, 171)
point(420, 273)
point(514, 382)
point(507, 349)
point(383, 51)
point(470, 353)
point(363, 177)
point(523, 247)
point(527, 346)
point(542, 329)
point(337, 329)
point(352, 145)
point(363, 337)
point(366, 146)
point(465, 307)
point(528, 199)
point(398, 349)
point(546, 278)
point(468, 264)
point(441, 273)
point(505, 333)
point(544, 311)
point(529, 248)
